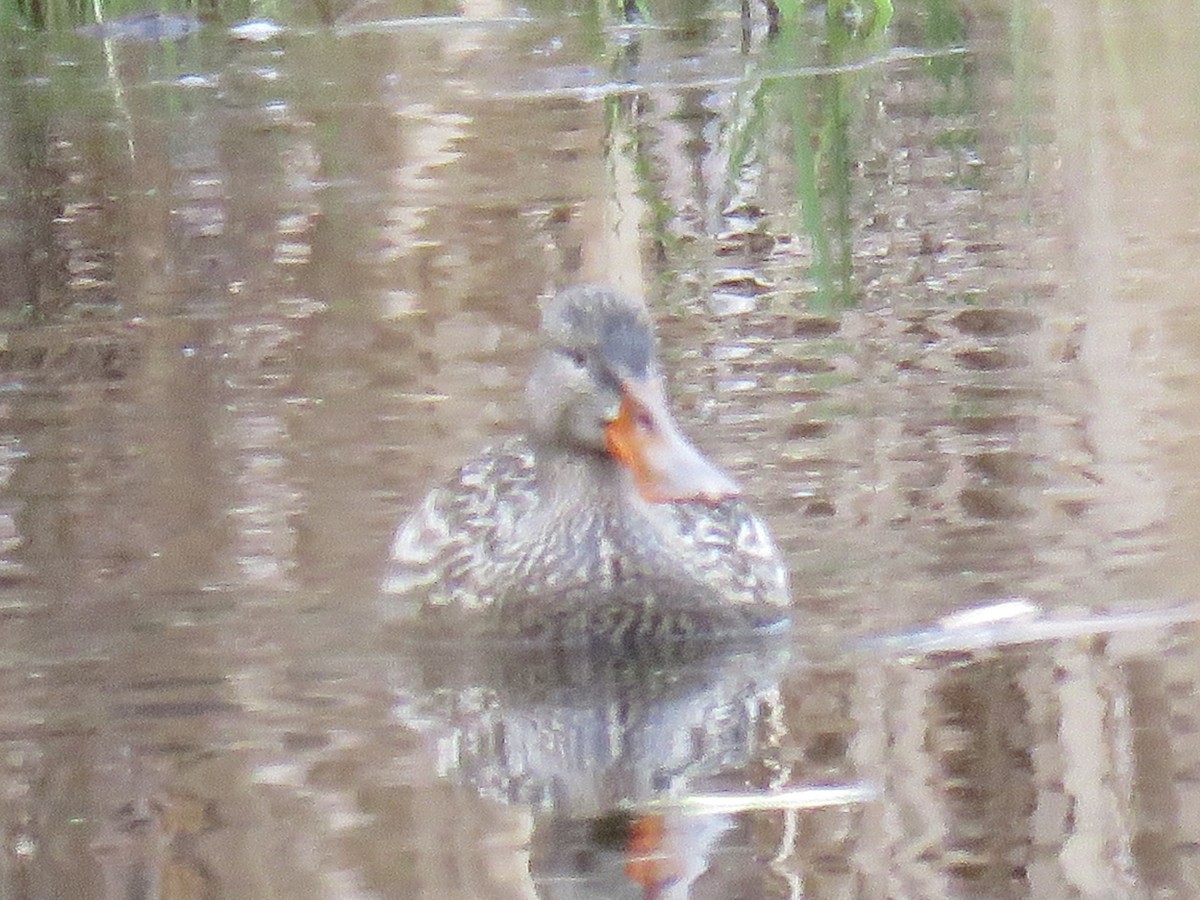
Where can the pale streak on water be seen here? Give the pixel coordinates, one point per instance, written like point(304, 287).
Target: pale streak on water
point(258, 295)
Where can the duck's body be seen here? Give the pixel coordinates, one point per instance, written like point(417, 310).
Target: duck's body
point(603, 524)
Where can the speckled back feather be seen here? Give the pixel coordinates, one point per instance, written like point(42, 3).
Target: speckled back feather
point(485, 540)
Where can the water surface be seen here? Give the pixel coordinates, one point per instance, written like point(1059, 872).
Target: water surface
point(926, 290)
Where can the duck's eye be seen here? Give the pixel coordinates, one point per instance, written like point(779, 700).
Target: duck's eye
point(643, 420)
point(577, 357)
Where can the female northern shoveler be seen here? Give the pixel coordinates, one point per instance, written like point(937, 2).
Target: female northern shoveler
point(603, 524)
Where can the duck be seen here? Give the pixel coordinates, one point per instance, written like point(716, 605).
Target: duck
point(601, 524)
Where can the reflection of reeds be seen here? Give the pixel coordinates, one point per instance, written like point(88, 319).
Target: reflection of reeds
point(805, 81)
point(818, 110)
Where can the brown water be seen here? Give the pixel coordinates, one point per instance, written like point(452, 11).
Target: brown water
point(929, 293)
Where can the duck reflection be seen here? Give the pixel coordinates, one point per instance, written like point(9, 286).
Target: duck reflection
point(624, 854)
point(604, 753)
point(580, 732)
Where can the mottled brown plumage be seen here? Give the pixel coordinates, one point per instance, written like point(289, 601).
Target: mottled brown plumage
point(603, 524)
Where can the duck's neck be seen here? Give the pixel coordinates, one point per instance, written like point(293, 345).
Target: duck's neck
point(588, 484)
point(592, 528)
point(592, 531)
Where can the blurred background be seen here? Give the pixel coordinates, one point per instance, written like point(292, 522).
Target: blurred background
point(923, 279)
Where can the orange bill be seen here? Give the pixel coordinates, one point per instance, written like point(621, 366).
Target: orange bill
point(665, 466)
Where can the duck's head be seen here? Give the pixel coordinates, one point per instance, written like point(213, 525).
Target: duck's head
point(597, 388)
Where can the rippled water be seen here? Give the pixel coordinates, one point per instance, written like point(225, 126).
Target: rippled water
point(927, 291)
